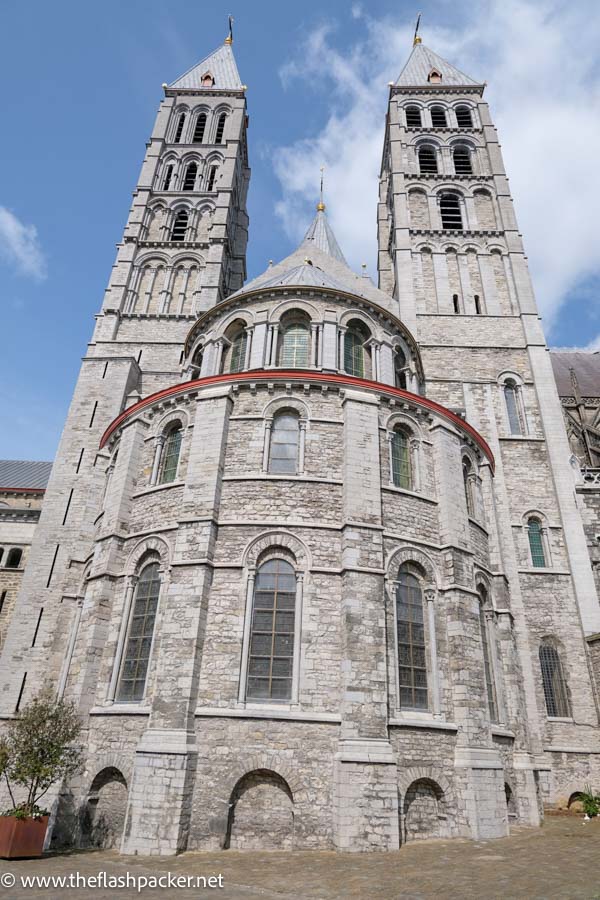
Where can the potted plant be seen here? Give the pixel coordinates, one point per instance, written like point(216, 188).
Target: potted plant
point(36, 750)
point(590, 802)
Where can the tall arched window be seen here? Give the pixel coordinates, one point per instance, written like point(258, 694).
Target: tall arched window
point(438, 117)
point(513, 406)
point(237, 350)
point(285, 442)
point(469, 485)
point(189, 181)
point(462, 160)
point(168, 177)
point(464, 118)
point(180, 224)
point(413, 117)
point(179, 128)
point(486, 637)
point(134, 669)
point(400, 369)
point(13, 560)
point(212, 177)
point(220, 128)
point(169, 460)
point(295, 345)
point(355, 350)
point(199, 128)
point(553, 680)
point(401, 461)
point(410, 627)
point(271, 657)
point(450, 212)
point(536, 543)
point(197, 360)
point(427, 159)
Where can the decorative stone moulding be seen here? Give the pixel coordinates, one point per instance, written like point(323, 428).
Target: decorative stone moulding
point(300, 377)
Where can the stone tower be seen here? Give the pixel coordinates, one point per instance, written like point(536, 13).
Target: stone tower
point(309, 562)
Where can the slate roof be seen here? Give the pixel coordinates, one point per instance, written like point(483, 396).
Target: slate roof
point(22, 473)
point(221, 65)
point(586, 365)
point(420, 63)
point(320, 233)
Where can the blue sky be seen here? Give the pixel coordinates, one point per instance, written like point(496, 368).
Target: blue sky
point(82, 83)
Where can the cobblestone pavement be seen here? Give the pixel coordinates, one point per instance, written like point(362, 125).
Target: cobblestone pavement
point(562, 859)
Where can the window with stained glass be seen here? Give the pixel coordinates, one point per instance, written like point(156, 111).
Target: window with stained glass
point(553, 679)
point(401, 463)
point(134, 670)
point(536, 543)
point(271, 660)
point(295, 346)
point(354, 353)
point(170, 455)
point(237, 359)
point(410, 627)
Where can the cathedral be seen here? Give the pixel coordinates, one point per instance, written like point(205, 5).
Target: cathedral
point(313, 560)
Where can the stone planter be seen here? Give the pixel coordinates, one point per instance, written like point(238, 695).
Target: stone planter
point(20, 838)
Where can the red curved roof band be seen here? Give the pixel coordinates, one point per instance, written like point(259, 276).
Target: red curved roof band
point(301, 375)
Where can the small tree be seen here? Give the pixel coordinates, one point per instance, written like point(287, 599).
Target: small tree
point(38, 750)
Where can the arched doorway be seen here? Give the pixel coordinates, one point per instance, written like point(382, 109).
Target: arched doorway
point(423, 810)
point(105, 809)
point(261, 813)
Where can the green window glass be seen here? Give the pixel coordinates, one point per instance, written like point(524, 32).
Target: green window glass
point(354, 353)
point(295, 347)
point(536, 543)
point(401, 467)
point(132, 681)
point(270, 664)
point(237, 359)
point(410, 627)
point(553, 680)
point(170, 455)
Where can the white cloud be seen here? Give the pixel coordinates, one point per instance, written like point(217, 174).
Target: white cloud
point(19, 245)
point(539, 59)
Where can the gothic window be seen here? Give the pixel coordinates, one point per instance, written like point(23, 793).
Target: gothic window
point(13, 560)
point(179, 128)
point(295, 346)
point(199, 128)
point(464, 118)
point(355, 352)
point(514, 410)
point(285, 439)
point(169, 460)
point(168, 177)
point(180, 225)
point(536, 543)
point(438, 117)
point(462, 160)
point(400, 369)
point(271, 658)
point(134, 670)
point(220, 128)
point(469, 485)
point(401, 462)
point(197, 360)
point(234, 359)
point(450, 212)
point(486, 639)
point(413, 117)
point(212, 176)
point(189, 180)
point(427, 160)
point(553, 680)
point(410, 627)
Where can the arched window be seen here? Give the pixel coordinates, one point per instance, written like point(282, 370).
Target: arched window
point(486, 637)
point(199, 128)
point(271, 657)
point(189, 181)
point(401, 462)
point(536, 543)
point(220, 128)
point(169, 460)
point(295, 346)
point(514, 410)
point(438, 117)
point(180, 224)
point(237, 350)
point(168, 177)
point(427, 159)
point(413, 117)
point(134, 670)
point(285, 440)
point(553, 680)
point(462, 160)
point(197, 360)
point(354, 349)
point(179, 128)
point(464, 118)
point(469, 484)
point(207, 80)
point(410, 627)
point(434, 77)
point(13, 560)
point(212, 177)
point(450, 212)
point(400, 369)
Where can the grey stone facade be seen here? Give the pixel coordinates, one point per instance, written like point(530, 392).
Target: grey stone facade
point(304, 539)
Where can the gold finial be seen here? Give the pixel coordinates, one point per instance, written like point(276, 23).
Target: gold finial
point(320, 204)
point(417, 39)
point(229, 38)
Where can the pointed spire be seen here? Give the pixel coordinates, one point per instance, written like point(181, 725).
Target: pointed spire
point(217, 70)
point(320, 234)
point(320, 204)
point(422, 62)
point(229, 38)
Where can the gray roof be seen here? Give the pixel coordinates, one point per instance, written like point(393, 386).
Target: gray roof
point(221, 65)
point(586, 366)
point(306, 274)
point(420, 63)
point(320, 233)
point(23, 473)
